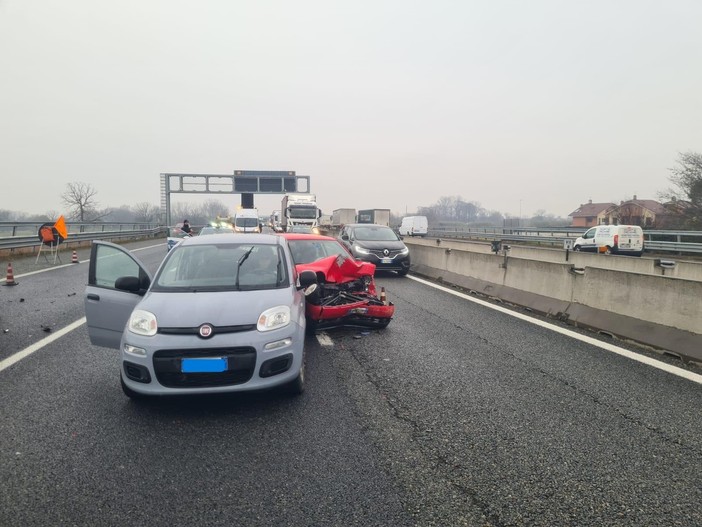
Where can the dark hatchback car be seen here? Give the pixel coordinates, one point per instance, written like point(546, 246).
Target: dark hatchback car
point(377, 244)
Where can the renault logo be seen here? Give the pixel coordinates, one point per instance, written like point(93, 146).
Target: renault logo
point(205, 331)
point(386, 252)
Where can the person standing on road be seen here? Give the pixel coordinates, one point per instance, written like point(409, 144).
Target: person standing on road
point(186, 227)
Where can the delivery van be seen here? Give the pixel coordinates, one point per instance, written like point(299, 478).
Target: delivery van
point(414, 226)
point(612, 239)
point(246, 220)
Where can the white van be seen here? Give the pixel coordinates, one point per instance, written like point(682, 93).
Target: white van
point(246, 220)
point(414, 226)
point(612, 239)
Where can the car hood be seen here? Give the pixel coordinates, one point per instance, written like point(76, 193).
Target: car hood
point(226, 308)
point(338, 269)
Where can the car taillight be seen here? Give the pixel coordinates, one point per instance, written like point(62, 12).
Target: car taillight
point(616, 239)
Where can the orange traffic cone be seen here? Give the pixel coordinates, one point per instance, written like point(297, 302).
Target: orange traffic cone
point(383, 297)
point(10, 280)
point(74, 257)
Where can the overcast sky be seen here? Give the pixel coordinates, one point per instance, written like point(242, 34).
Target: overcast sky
point(516, 105)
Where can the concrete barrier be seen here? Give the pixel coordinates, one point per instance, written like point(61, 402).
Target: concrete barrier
point(687, 269)
point(663, 312)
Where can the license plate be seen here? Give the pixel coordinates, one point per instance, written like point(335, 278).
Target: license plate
point(386, 260)
point(204, 365)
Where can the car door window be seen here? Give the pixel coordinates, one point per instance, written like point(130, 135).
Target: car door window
point(111, 264)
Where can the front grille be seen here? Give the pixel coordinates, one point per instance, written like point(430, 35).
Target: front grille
point(216, 330)
point(380, 253)
point(241, 362)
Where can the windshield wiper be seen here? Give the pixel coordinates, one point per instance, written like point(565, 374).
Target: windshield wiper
point(238, 265)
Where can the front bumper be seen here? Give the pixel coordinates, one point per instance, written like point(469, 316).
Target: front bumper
point(249, 366)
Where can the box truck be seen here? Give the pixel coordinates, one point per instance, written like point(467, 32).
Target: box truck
point(377, 216)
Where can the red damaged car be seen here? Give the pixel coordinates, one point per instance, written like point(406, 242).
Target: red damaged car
point(346, 294)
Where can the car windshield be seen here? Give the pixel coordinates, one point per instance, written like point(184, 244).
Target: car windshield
point(306, 251)
point(222, 267)
point(375, 233)
point(246, 222)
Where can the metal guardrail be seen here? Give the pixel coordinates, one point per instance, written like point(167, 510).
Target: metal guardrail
point(654, 241)
point(25, 235)
point(17, 235)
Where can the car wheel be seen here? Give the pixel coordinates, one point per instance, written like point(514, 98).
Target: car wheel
point(297, 386)
point(607, 250)
point(135, 396)
point(576, 248)
point(310, 327)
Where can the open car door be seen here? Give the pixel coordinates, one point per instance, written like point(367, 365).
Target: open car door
point(107, 306)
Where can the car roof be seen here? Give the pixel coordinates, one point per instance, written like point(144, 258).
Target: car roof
point(234, 238)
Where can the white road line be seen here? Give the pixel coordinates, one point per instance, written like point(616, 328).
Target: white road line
point(38, 345)
point(680, 372)
point(325, 340)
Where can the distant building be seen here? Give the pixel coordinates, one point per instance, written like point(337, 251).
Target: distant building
point(590, 214)
point(642, 212)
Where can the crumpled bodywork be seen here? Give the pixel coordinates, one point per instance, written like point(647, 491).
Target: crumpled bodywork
point(346, 295)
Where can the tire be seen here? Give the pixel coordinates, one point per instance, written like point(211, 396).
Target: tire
point(134, 396)
point(608, 250)
point(296, 387)
point(576, 248)
point(310, 327)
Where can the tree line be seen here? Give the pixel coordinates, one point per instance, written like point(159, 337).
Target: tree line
point(682, 201)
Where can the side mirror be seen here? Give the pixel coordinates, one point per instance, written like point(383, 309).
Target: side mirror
point(308, 278)
point(128, 283)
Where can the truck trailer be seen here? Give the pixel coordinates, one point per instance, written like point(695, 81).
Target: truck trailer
point(341, 217)
point(377, 216)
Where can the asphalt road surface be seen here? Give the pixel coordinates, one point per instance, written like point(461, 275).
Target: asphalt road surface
point(456, 414)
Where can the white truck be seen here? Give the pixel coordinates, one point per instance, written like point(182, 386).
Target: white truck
point(341, 217)
point(246, 220)
point(299, 210)
point(274, 221)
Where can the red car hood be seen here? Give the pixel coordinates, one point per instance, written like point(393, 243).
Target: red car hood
point(338, 269)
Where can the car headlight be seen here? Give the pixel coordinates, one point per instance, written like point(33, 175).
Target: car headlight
point(143, 323)
point(274, 318)
point(360, 250)
point(404, 251)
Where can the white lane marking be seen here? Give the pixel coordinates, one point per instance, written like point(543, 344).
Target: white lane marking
point(325, 340)
point(680, 372)
point(4, 364)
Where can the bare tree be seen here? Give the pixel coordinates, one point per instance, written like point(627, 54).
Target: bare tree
point(145, 212)
point(684, 203)
point(80, 199)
